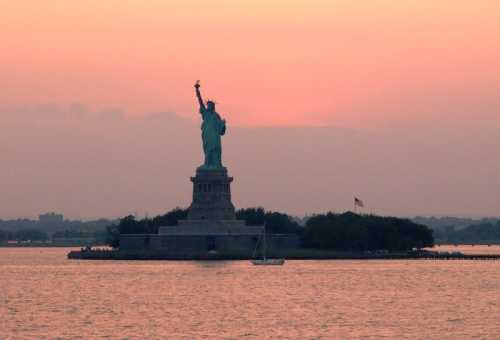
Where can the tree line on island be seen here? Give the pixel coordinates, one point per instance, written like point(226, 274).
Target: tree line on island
point(342, 232)
point(346, 231)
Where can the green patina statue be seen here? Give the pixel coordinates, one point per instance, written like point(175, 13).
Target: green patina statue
point(212, 128)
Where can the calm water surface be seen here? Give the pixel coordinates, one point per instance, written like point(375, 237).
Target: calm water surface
point(44, 295)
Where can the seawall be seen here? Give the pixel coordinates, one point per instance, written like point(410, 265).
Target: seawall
point(292, 254)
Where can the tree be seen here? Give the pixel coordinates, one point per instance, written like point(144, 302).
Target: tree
point(113, 235)
point(276, 223)
point(171, 218)
point(352, 232)
point(129, 225)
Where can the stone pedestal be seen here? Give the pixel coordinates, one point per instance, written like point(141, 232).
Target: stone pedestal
point(211, 196)
point(211, 224)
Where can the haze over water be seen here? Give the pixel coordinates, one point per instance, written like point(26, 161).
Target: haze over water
point(44, 295)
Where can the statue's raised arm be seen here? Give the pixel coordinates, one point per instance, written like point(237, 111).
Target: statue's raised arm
point(198, 95)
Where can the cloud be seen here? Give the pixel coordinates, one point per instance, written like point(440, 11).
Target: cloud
point(103, 164)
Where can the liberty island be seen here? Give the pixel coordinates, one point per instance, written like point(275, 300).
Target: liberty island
point(210, 229)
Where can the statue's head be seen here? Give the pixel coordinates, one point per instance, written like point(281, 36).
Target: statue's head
point(210, 105)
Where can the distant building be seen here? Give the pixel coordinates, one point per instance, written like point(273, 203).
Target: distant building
point(51, 219)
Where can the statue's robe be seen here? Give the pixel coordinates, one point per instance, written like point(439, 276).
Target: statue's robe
point(212, 129)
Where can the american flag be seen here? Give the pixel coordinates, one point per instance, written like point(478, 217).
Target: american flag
point(358, 202)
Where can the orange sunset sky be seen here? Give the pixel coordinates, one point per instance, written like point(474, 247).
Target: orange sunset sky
point(409, 76)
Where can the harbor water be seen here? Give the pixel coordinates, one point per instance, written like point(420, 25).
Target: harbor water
point(43, 295)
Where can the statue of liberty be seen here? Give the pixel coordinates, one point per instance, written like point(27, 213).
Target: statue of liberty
point(212, 128)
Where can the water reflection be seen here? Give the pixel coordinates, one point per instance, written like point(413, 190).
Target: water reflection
point(212, 264)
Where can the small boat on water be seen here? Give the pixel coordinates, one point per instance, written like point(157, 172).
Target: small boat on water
point(264, 261)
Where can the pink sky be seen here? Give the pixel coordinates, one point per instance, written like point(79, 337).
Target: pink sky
point(265, 62)
point(426, 71)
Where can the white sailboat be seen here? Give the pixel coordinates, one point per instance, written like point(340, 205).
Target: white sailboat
point(266, 261)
